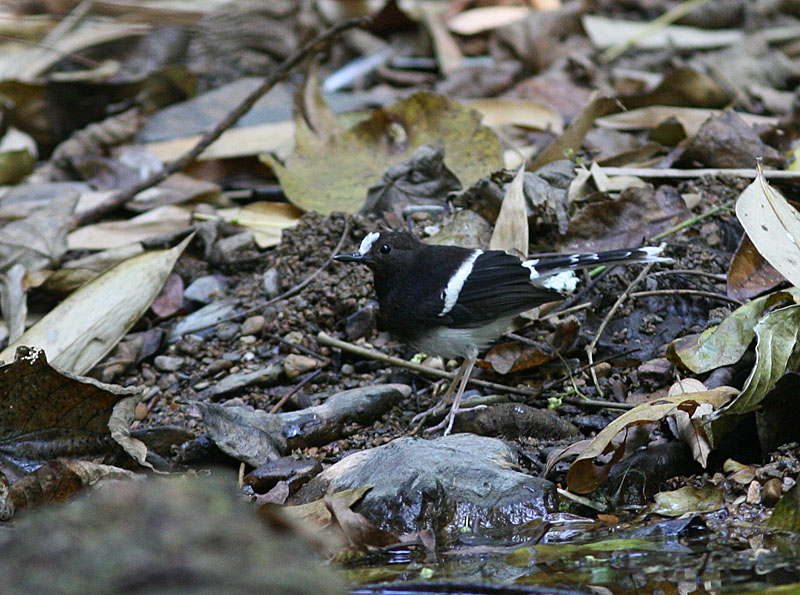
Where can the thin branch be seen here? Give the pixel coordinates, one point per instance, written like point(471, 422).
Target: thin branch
point(282, 401)
point(708, 294)
point(118, 199)
point(326, 339)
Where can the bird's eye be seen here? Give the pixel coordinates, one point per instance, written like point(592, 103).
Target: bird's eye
point(385, 249)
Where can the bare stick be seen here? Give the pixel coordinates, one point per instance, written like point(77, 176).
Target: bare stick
point(118, 199)
point(326, 339)
point(708, 294)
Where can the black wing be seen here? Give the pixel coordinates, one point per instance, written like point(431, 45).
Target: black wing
point(497, 286)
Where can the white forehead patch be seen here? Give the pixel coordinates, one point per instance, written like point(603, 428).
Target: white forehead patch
point(367, 242)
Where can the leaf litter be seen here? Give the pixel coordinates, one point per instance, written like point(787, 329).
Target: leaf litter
point(264, 352)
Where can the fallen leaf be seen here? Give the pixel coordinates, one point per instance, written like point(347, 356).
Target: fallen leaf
point(519, 112)
point(335, 175)
point(82, 329)
point(46, 413)
point(486, 18)
point(266, 220)
point(773, 225)
point(511, 227)
point(725, 343)
point(687, 500)
point(585, 476)
point(572, 137)
point(115, 234)
point(749, 274)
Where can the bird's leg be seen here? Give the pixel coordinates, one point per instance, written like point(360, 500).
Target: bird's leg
point(420, 418)
point(464, 374)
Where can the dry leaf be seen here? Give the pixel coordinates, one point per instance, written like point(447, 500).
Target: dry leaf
point(585, 476)
point(511, 228)
point(82, 329)
point(773, 225)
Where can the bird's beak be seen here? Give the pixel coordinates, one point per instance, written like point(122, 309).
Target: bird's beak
point(354, 257)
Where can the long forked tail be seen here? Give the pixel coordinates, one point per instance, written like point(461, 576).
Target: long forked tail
point(555, 272)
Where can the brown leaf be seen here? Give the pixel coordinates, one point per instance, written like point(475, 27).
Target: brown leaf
point(749, 274)
point(637, 214)
point(585, 476)
point(358, 529)
point(507, 358)
point(45, 413)
point(170, 300)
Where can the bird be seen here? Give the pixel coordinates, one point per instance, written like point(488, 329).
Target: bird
point(454, 302)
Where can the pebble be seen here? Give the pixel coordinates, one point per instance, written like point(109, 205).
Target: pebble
point(253, 325)
point(227, 248)
point(219, 365)
point(603, 370)
point(140, 411)
point(771, 491)
point(294, 364)
point(167, 363)
point(206, 289)
point(248, 339)
point(226, 331)
point(347, 370)
point(271, 286)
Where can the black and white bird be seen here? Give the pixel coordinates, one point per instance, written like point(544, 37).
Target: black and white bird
point(454, 302)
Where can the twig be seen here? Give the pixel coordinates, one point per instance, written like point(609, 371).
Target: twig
point(715, 276)
point(609, 315)
point(692, 220)
point(326, 339)
point(118, 199)
point(708, 294)
point(293, 390)
point(654, 172)
point(293, 290)
point(570, 310)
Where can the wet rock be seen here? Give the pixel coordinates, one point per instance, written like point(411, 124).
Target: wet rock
point(442, 484)
point(253, 325)
point(123, 539)
point(167, 363)
point(513, 420)
point(294, 365)
point(294, 472)
point(206, 289)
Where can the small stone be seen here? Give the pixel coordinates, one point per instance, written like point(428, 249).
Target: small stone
point(140, 411)
point(226, 331)
point(771, 492)
point(754, 493)
point(656, 372)
point(167, 363)
point(248, 340)
point(253, 325)
point(271, 286)
point(219, 365)
point(206, 289)
point(347, 370)
point(227, 248)
point(361, 323)
point(603, 370)
point(294, 365)
point(294, 337)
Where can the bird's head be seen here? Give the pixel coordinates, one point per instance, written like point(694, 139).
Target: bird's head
point(382, 250)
